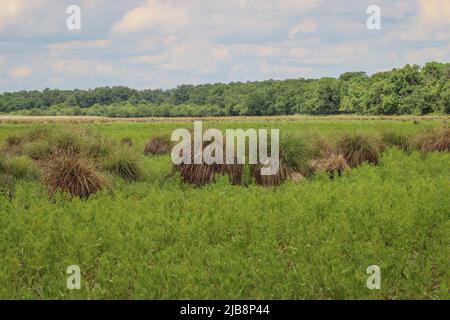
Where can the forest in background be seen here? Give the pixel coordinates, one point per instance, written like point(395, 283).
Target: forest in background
point(409, 90)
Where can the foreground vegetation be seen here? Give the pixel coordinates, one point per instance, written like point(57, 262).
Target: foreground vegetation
point(143, 233)
point(408, 90)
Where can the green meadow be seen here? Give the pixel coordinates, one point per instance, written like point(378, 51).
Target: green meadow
point(157, 237)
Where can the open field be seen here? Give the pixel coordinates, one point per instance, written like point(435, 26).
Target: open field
point(159, 238)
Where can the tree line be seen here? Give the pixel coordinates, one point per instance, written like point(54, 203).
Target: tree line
point(409, 90)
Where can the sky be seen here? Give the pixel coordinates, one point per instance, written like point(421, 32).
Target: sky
point(166, 43)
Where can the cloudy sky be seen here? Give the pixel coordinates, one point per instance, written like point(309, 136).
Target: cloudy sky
point(164, 43)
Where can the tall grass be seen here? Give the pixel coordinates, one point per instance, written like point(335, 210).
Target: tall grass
point(358, 148)
point(71, 174)
point(124, 164)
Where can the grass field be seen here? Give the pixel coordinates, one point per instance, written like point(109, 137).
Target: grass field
point(158, 238)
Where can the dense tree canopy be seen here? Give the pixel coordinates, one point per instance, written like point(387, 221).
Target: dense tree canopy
point(408, 90)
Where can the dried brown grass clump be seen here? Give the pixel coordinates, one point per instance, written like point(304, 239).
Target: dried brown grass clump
point(13, 145)
point(203, 174)
point(72, 174)
point(233, 171)
point(198, 174)
point(358, 148)
point(271, 180)
point(437, 140)
point(321, 147)
point(297, 177)
point(158, 146)
point(333, 164)
point(295, 155)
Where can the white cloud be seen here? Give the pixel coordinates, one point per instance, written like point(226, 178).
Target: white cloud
point(420, 56)
point(60, 48)
point(14, 12)
point(434, 13)
point(164, 43)
point(2, 61)
point(19, 72)
point(306, 26)
point(431, 23)
point(152, 15)
point(283, 71)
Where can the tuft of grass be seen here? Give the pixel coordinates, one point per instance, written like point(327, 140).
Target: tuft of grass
point(397, 139)
point(270, 180)
point(333, 164)
point(127, 141)
point(321, 147)
point(66, 142)
point(13, 145)
point(7, 185)
point(358, 148)
point(124, 164)
point(96, 147)
point(40, 133)
point(159, 145)
point(72, 174)
point(203, 174)
point(198, 174)
point(19, 167)
point(295, 156)
point(437, 140)
point(38, 150)
point(234, 172)
point(13, 141)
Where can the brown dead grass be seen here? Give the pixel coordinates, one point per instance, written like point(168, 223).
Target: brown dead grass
point(158, 146)
point(437, 140)
point(72, 174)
